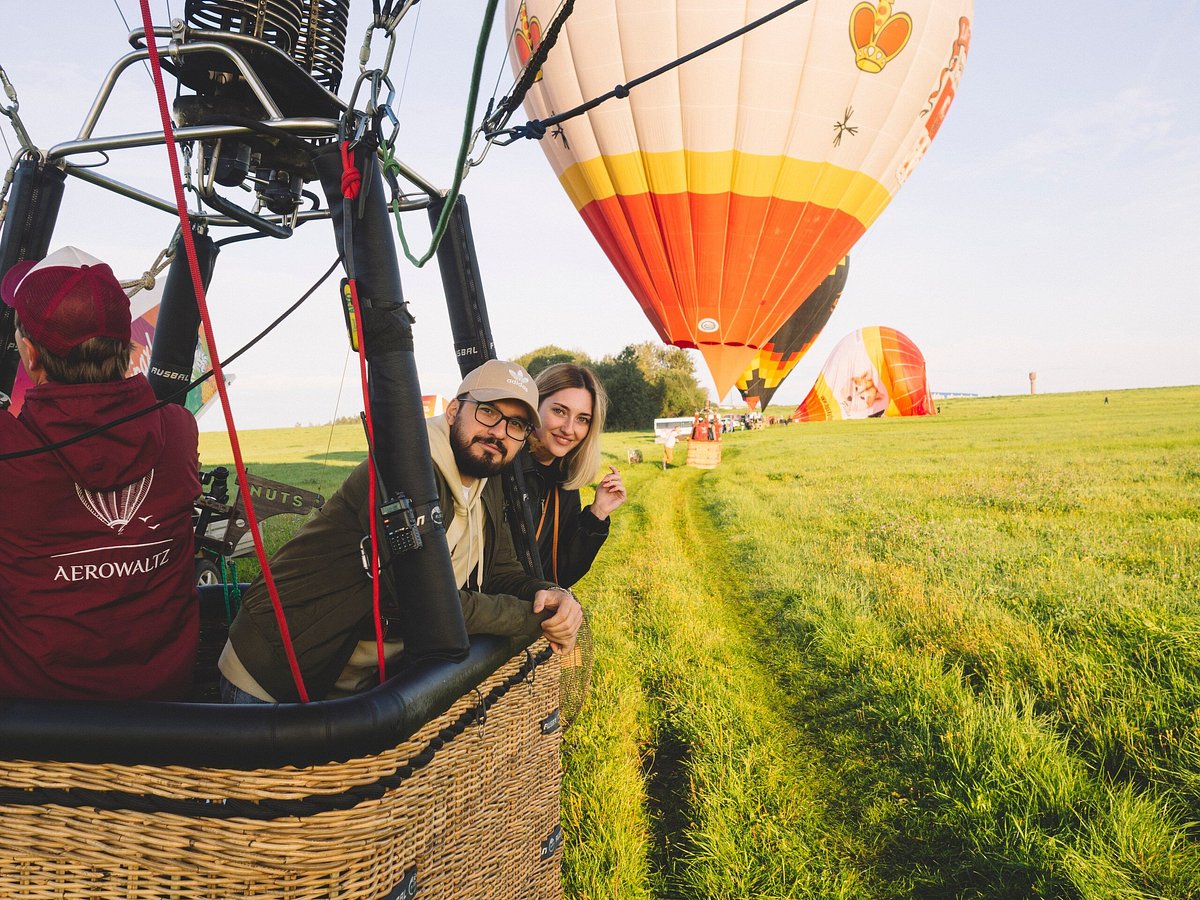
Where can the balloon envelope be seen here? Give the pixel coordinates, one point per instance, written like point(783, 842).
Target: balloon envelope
point(726, 190)
point(875, 371)
point(775, 361)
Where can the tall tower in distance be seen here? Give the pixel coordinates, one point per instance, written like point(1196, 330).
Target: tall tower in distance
point(1032, 384)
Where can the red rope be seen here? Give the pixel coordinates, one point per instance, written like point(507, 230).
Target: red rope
point(372, 499)
point(198, 285)
point(351, 177)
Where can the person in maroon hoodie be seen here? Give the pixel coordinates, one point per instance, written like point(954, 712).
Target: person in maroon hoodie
point(96, 541)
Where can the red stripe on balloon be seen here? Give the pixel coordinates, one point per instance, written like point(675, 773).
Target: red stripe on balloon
point(747, 262)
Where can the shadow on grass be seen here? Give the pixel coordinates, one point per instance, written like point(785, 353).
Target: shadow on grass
point(665, 767)
point(891, 784)
point(351, 456)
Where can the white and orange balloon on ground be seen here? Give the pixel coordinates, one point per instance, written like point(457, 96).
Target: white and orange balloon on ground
point(872, 372)
point(726, 190)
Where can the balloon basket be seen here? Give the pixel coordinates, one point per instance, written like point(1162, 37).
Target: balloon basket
point(704, 454)
point(464, 805)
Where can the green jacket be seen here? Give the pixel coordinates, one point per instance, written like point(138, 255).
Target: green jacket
point(326, 594)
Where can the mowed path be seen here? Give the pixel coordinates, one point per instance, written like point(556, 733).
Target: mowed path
point(708, 788)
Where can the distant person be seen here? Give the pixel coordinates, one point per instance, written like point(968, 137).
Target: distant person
point(326, 592)
point(563, 455)
point(669, 438)
point(96, 584)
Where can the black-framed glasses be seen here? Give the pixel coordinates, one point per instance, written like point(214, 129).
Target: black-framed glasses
point(485, 414)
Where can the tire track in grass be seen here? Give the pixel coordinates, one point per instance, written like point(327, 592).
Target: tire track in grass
point(731, 787)
point(667, 762)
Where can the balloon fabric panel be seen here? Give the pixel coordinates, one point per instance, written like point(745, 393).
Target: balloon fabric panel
point(909, 389)
point(776, 360)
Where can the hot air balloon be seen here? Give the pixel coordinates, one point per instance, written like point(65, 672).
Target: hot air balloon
point(775, 361)
point(872, 372)
point(726, 191)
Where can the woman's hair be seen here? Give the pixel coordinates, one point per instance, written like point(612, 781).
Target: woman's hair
point(94, 361)
point(584, 460)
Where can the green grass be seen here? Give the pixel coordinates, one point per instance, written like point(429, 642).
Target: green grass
point(944, 657)
point(950, 657)
point(316, 458)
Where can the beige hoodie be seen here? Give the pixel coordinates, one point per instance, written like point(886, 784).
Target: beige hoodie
point(464, 531)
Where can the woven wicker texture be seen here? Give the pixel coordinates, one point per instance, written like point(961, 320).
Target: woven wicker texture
point(576, 679)
point(469, 807)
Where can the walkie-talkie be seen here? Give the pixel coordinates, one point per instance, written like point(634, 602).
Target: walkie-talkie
point(397, 515)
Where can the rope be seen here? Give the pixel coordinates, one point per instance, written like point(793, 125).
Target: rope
point(537, 128)
point(460, 167)
point(265, 810)
point(150, 277)
point(231, 590)
point(537, 59)
point(351, 177)
point(554, 539)
point(198, 286)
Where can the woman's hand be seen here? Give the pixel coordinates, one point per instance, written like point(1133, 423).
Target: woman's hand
point(610, 493)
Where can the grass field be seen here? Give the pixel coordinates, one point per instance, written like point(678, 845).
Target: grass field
point(947, 657)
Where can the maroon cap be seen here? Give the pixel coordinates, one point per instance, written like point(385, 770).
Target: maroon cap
point(65, 299)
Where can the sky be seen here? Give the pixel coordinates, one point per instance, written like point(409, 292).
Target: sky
point(1052, 227)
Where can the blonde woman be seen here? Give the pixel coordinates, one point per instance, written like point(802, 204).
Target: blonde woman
point(561, 456)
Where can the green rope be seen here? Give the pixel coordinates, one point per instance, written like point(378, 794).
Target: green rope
point(232, 590)
point(391, 165)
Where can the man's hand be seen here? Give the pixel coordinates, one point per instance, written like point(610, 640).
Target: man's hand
point(610, 493)
point(560, 629)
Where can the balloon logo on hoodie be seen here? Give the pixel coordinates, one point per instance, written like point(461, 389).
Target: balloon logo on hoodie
point(116, 509)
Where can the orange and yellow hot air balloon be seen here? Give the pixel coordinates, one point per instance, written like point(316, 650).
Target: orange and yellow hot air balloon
point(779, 356)
point(872, 372)
point(726, 190)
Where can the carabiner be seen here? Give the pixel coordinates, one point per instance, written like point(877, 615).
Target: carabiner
point(11, 112)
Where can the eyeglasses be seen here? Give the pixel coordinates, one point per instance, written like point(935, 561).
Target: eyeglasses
point(518, 429)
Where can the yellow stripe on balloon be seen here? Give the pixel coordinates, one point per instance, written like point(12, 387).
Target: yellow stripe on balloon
point(681, 171)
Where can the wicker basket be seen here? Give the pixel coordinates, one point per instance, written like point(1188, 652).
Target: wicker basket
point(704, 454)
point(467, 807)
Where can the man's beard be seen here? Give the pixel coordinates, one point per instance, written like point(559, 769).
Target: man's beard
point(477, 466)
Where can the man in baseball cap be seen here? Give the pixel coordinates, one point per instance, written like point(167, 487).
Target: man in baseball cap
point(96, 588)
point(66, 300)
point(327, 594)
point(484, 397)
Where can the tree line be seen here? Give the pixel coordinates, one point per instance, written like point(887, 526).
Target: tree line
point(644, 381)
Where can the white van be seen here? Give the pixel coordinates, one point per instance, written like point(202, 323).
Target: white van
point(683, 424)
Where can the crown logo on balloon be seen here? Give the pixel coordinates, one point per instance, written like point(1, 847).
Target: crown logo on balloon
point(528, 37)
point(878, 34)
